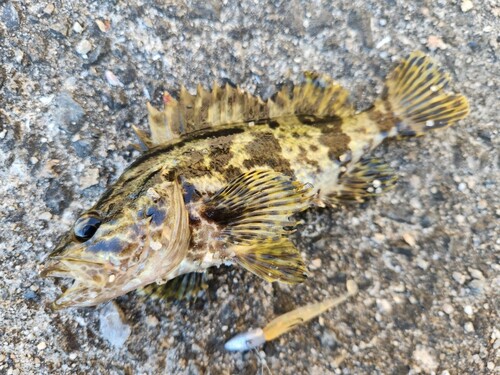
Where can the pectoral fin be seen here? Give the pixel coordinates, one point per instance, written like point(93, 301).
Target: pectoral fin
point(255, 212)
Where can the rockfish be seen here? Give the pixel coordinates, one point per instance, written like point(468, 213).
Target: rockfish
point(224, 173)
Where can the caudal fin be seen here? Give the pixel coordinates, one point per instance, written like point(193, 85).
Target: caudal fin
point(416, 93)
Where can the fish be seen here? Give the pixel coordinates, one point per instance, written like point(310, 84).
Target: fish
point(224, 174)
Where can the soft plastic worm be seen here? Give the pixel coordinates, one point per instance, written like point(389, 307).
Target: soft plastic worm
point(286, 322)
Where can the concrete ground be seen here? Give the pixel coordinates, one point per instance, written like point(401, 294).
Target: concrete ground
point(74, 78)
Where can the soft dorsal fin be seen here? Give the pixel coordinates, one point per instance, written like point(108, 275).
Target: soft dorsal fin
point(317, 95)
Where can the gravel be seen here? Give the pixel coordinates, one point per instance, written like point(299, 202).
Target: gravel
point(75, 77)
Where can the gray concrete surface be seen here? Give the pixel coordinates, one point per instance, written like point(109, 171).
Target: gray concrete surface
point(426, 255)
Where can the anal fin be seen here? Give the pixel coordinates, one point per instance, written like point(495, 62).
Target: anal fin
point(367, 178)
point(184, 287)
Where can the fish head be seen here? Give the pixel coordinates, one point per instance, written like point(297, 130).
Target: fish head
point(111, 251)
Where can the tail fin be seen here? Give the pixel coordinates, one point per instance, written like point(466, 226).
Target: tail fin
point(416, 94)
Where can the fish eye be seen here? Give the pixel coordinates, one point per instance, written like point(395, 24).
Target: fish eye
point(86, 226)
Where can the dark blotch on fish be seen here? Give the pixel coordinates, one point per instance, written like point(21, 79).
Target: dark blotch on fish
point(109, 246)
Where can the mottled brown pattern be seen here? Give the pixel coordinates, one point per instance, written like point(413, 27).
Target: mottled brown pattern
point(384, 120)
point(196, 166)
point(231, 172)
point(265, 150)
point(303, 158)
point(337, 141)
point(220, 156)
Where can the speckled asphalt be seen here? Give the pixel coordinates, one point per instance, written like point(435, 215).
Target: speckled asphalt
point(74, 78)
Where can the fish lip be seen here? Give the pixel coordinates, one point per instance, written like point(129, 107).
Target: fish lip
point(54, 269)
point(60, 266)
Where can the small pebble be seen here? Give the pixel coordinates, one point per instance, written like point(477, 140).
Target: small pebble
point(459, 277)
point(315, 264)
point(466, 5)
point(41, 346)
point(422, 263)
point(77, 28)
point(384, 306)
point(46, 216)
point(425, 359)
point(112, 78)
point(469, 327)
point(152, 321)
point(468, 310)
point(89, 178)
point(435, 42)
point(477, 286)
point(18, 56)
point(409, 239)
point(49, 9)
point(83, 47)
point(104, 26)
point(10, 16)
point(476, 274)
point(448, 309)
point(73, 356)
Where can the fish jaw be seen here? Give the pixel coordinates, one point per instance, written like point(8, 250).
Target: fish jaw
point(94, 282)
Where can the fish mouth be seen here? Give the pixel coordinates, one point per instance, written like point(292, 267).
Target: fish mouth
point(82, 292)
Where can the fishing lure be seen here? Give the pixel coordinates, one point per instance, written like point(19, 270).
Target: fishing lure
point(224, 173)
point(286, 322)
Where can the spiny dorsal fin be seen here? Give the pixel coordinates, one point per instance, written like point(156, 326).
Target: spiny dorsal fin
point(317, 95)
point(255, 211)
point(186, 286)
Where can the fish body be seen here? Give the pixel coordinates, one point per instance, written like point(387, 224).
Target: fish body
point(224, 174)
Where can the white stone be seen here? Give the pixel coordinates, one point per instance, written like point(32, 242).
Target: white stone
point(459, 277)
point(425, 359)
point(89, 178)
point(448, 309)
point(113, 326)
point(468, 310)
point(384, 306)
point(77, 28)
point(469, 327)
point(83, 47)
point(466, 5)
point(315, 264)
point(476, 274)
